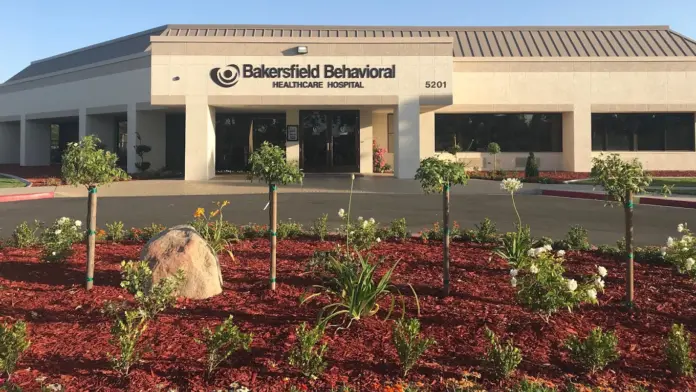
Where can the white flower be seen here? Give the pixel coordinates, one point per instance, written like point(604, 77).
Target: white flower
point(599, 282)
point(53, 253)
point(513, 282)
point(62, 220)
point(534, 269)
point(572, 285)
point(670, 241)
point(663, 251)
point(78, 223)
point(547, 247)
point(685, 249)
point(352, 176)
point(511, 185)
point(372, 221)
point(592, 293)
point(560, 253)
point(513, 272)
point(378, 240)
point(57, 232)
point(689, 263)
point(602, 271)
point(360, 218)
point(531, 253)
point(680, 227)
point(686, 239)
point(341, 213)
point(365, 223)
point(40, 379)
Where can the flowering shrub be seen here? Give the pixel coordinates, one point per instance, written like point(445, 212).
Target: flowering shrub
point(58, 239)
point(542, 287)
point(25, 236)
point(360, 235)
point(681, 252)
point(594, 352)
point(514, 245)
point(436, 233)
point(379, 163)
point(214, 229)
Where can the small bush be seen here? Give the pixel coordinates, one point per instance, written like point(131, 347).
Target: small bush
point(681, 253)
point(409, 343)
point(136, 276)
point(115, 231)
point(152, 299)
point(361, 234)
point(515, 245)
point(307, 355)
point(288, 229)
point(531, 168)
point(253, 230)
point(594, 352)
point(126, 333)
point(25, 236)
point(319, 228)
point(678, 351)
point(398, 230)
point(501, 360)
point(485, 232)
point(577, 238)
point(437, 232)
point(533, 386)
point(222, 342)
point(58, 239)
point(148, 232)
point(13, 342)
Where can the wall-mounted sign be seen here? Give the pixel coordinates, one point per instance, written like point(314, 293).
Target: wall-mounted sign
point(292, 135)
point(230, 75)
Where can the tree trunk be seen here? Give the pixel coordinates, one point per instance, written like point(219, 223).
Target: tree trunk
point(445, 241)
point(91, 235)
point(273, 215)
point(628, 209)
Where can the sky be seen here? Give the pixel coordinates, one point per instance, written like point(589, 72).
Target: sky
point(35, 29)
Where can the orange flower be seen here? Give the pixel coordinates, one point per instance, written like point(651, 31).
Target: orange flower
point(199, 212)
point(214, 213)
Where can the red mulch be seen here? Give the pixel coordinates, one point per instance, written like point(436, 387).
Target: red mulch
point(70, 336)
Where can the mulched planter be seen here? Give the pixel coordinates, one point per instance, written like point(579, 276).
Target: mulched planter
point(70, 335)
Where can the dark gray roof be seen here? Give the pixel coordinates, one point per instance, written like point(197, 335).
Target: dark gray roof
point(483, 42)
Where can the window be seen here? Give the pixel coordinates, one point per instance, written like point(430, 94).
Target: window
point(518, 132)
point(643, 132)
point(390, 132)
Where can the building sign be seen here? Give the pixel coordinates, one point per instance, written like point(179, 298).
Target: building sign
point(339, 76)
point(292, 135)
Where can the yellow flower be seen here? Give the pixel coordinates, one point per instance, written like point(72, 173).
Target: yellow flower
point(199, 212)
point(212, 214)
point(226, 202)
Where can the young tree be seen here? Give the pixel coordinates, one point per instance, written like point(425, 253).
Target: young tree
point(621, 180)
point(438, 176)
point(84, 163)
point(494, 149)
point(268, 164)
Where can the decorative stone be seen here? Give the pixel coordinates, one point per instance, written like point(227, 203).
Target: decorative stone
point(181, 247)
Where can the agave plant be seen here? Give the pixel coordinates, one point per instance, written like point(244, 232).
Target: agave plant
point(356, 288)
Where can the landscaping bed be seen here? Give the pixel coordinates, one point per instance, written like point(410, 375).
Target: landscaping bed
point(70, 334)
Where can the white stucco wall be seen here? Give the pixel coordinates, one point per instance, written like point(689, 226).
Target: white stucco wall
point(9, 142)
point(104, 127)
point(152, 130)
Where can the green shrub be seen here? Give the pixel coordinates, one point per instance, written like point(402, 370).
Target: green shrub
point(222, 342)
point(514, 246)
point(437, 232)
point(115, 231)
point(577, 238)
point(501, 360)
point(13, 342)
point(252, 230)
point(678, 351)
point(25, 236)
point(148, 232)
point(307, 355)
point(155, 298)
point(531, 168)
point(58, 239)
point(126, 333)
point(288, 229)
point(136, 276)
point(532, 386)
point(409, 343)
point(361, 235)
point(319, 227)
point(398, 230)
point(594, 352)
point(485, 232)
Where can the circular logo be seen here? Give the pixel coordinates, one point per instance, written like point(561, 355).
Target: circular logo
point(226, 76)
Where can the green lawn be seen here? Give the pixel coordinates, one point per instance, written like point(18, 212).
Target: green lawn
point(7, 182)
point(659, 182)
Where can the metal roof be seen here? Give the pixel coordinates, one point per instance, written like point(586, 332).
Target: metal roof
point(468, 42)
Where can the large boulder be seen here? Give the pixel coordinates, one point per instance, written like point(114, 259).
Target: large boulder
point(181, 247)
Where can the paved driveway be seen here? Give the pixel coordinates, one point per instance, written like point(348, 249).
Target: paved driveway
point(547, 216)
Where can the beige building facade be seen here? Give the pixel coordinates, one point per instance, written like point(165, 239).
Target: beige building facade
point(204, 97)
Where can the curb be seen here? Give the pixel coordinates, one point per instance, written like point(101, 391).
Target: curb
point(28, 196)
point(573, 194)
point(647, 200)
point(667, 202)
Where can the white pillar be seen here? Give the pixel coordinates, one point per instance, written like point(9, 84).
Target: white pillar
point(407, 137)
point(131, 139)
point(9, 142)
point(35, 143)
point(82, 121)
point(577, 139)
point(366, 137)
point(292, 149)
point(152, 130)
point(200, 139)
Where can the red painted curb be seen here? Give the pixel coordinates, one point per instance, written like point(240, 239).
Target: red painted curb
point(573, 194)
point(28, 196)
point(668, 202)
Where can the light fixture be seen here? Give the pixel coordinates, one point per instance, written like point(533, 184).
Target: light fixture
point(302, 50)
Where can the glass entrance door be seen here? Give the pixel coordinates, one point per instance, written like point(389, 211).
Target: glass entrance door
point(330, 140)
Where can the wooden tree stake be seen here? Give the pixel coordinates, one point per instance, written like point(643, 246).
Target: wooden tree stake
point(628, 209)
point(446, 240)
point(273, 235)
point(91, 235)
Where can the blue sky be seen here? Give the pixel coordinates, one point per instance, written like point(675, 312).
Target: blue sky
point(34, 29)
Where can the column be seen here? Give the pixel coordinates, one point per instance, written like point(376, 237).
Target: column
point(9, 142)
point(131, 137)
point(577, 139)
point(82, 121)
point(407, 137)
point(366, 137)
point(427, 135)
point(35, 143)
point(200, 139)
point(292, 149)
point(151, 125)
